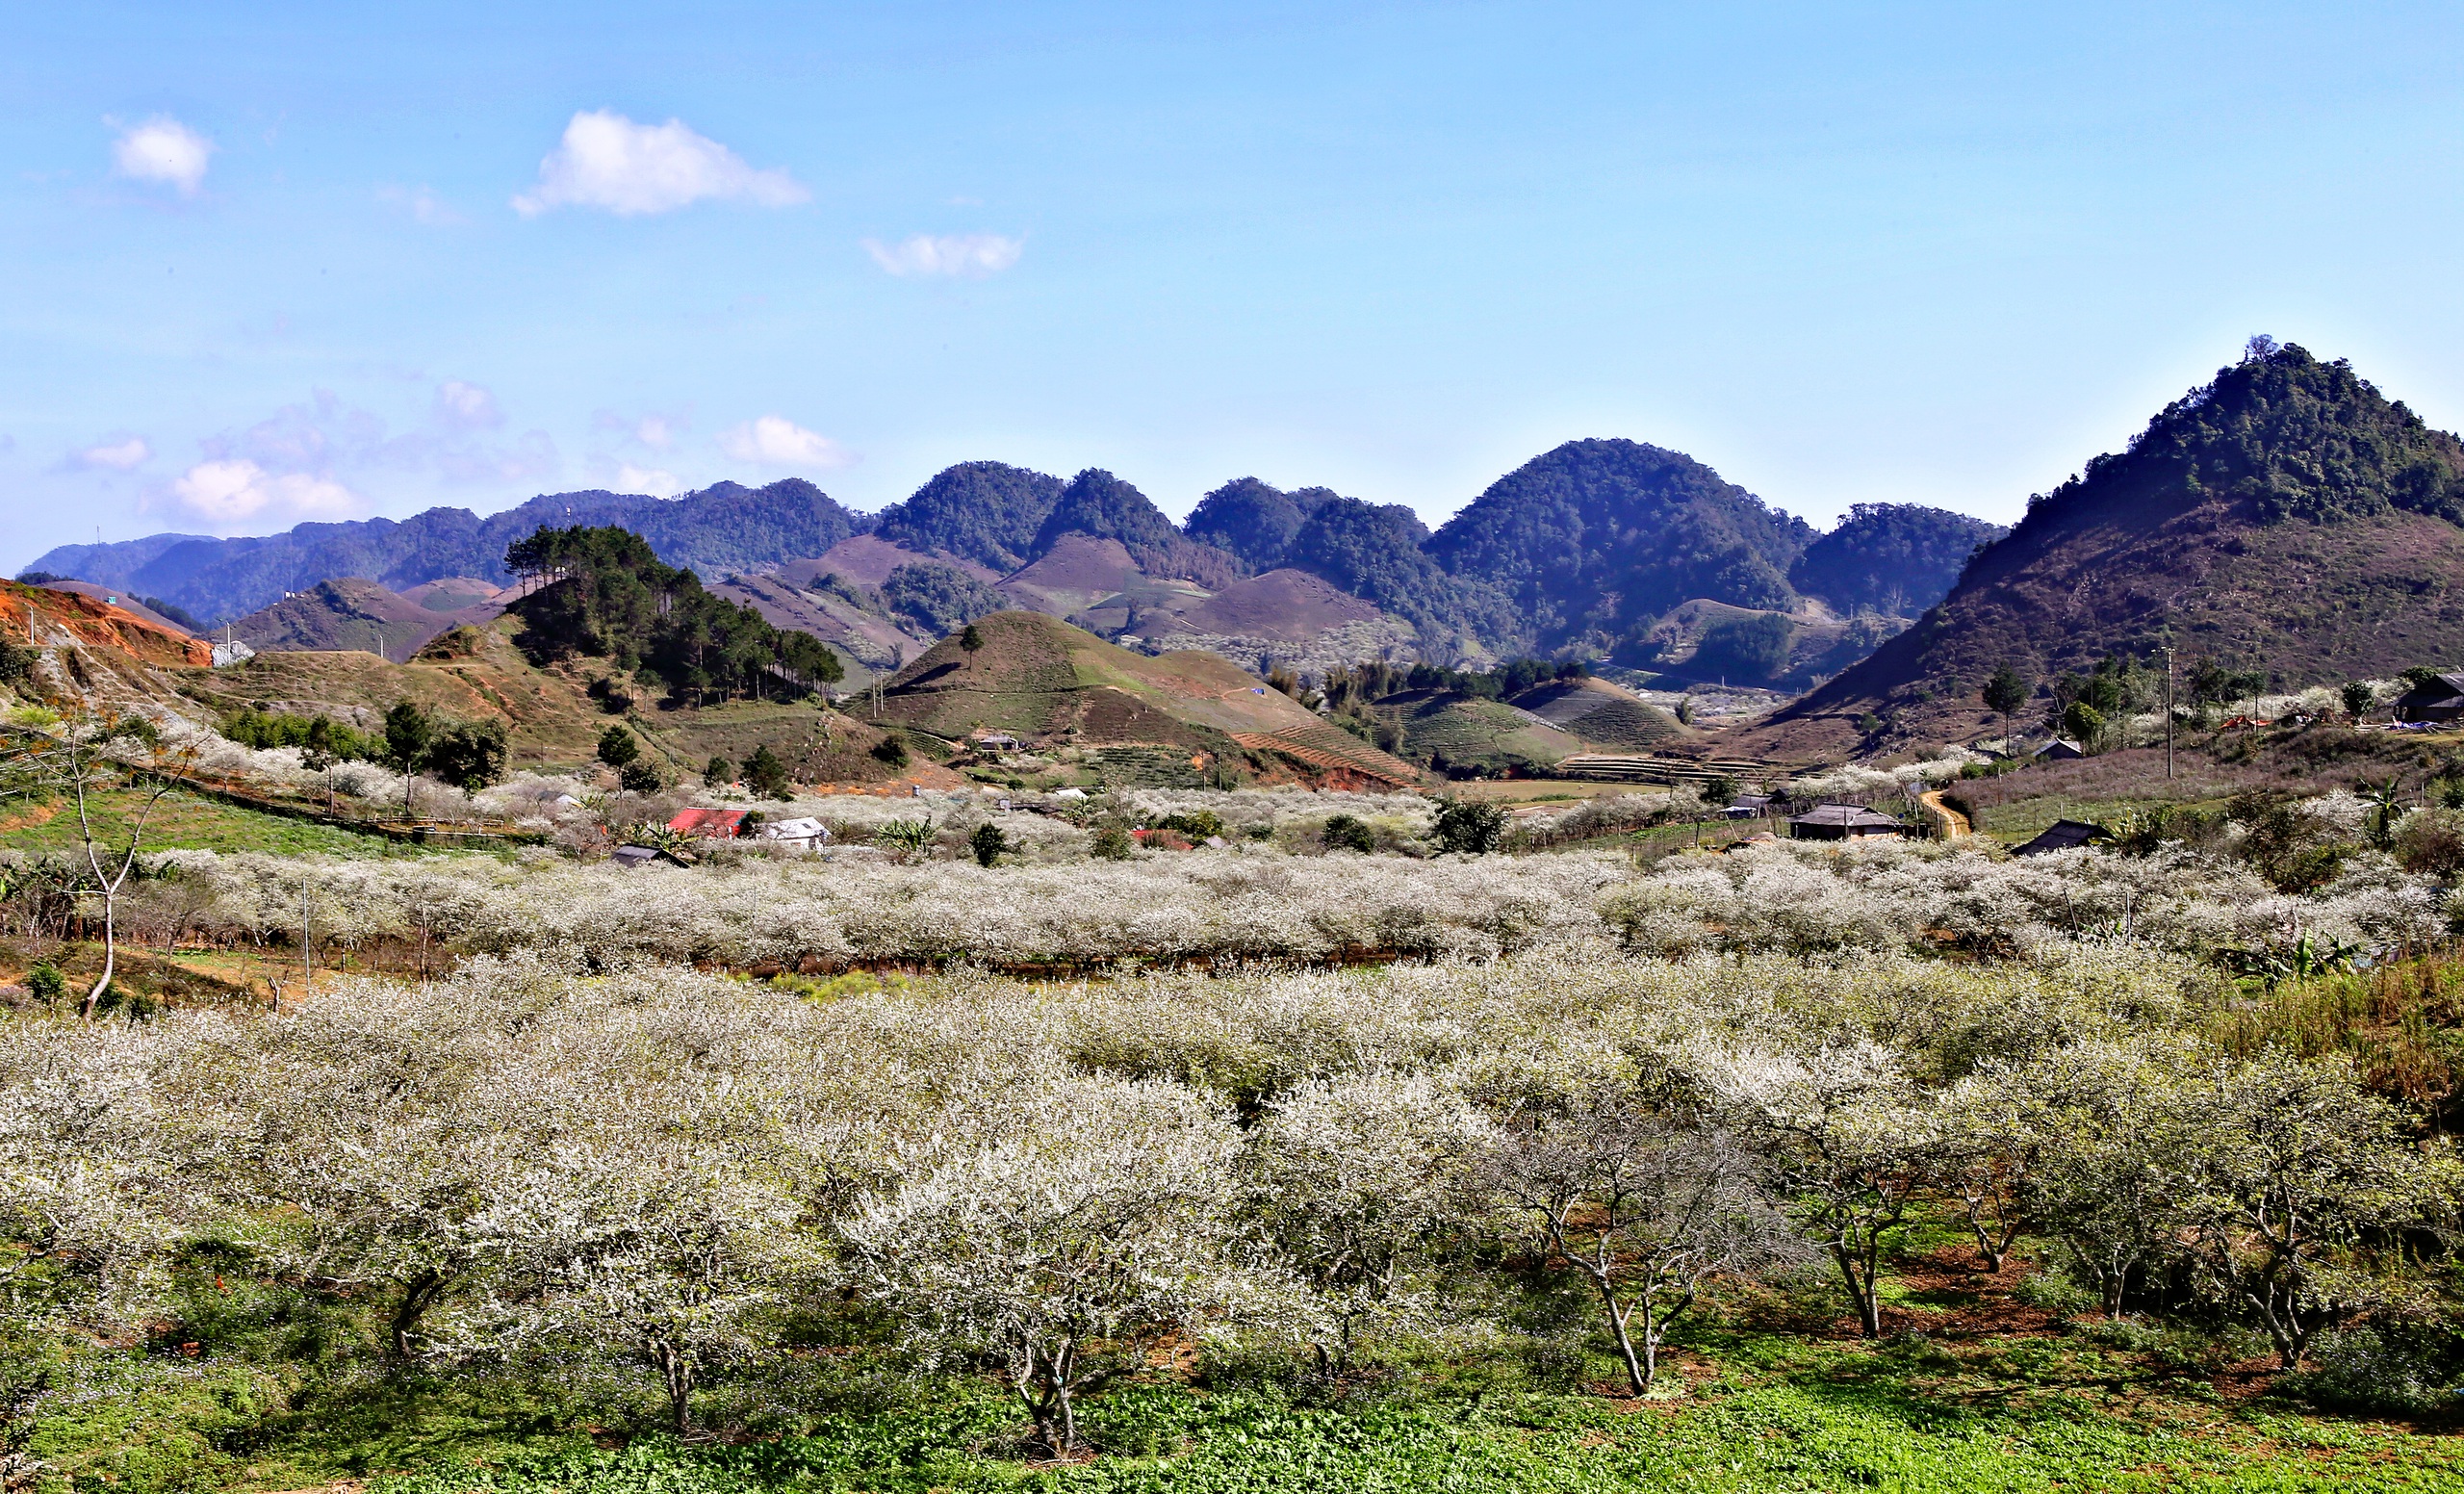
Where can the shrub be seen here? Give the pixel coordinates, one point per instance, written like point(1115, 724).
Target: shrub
point(892, 751)
point(1112, 841)
point(718, 770)
point(1468, 828)
point(765, 775)
point(46, 983)
point(1346, 833)
point(618, 747)
point(987, 843)
point(2373, 1372)
point(641, 777)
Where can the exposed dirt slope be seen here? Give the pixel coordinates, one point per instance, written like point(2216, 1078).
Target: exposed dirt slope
point(46, 616)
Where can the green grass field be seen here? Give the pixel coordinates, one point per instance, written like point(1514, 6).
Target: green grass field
point(185, 822)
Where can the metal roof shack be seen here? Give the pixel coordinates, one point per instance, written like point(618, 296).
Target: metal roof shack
point(2061, 749)
point(1747, 807)
point(2439, 699)
point(2062, 835)
point(708, 824)
point(1841, 822)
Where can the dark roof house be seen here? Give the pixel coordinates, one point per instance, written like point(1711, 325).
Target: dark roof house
point(1747, 807)
point(2440, 699)
point(2060, 747)
point(1841, 822)
point(2062, 835)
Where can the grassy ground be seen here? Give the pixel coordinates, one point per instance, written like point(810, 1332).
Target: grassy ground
point(183, 821)
point(255, 1386)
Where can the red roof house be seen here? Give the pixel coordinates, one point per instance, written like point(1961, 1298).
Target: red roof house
point(709, 824)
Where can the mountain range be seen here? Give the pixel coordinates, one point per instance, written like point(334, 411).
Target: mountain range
point(1589, 548)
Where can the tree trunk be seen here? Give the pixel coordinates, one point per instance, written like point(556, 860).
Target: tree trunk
point(676, 1368)
point(422, 1291)
point(111, 959)
point(1636, 1375)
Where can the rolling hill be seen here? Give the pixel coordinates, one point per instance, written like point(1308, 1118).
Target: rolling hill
point(1040, 678)
point(2286, 517)
point(353, 613)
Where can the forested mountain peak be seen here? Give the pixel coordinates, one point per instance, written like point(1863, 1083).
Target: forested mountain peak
point(1254, 519)
point(1893, 558)
point(1596, 538)
point(987, 513)
point(1102, 506)
point(2285, 517)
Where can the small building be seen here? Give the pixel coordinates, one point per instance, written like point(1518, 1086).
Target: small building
point(629, 857)
point(2440, 699)
point(2062, 835)
point(2060, 750)
point(708, 824)
point(804, 833)
point(1841, 822)
point(1747, 807)
point(997, 741)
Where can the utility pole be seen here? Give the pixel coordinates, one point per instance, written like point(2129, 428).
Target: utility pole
point(2168, 710)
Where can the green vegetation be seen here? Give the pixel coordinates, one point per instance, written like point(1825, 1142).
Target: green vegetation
point(1896, 558)
point(324, 740)
point(185, 822)
point(1374, 552)
point(1596, 539)
point(765, 774)
point(1098, 504)
point(1254, 519)
point(611, 598)
point(938, 599)
point(987, 513)
point(1753, 647)
point(469, 754)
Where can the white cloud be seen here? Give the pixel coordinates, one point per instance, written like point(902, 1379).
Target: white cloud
point(118, 455)
point(607, 161)
point(970, 255)
point(776, 441)
point(655, 431)
point(163, 149)
point(234, 489)
point(658, 483)
point(466, 406)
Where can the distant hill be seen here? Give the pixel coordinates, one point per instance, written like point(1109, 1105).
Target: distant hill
point(1597, 549)
point(1896, 559)
point(2286, 517)
point(984, 512)
point(1254, 519)
point(353, 613)
point(1102, 506)
point(723, 527)
point(1593, 541)
point(1042, 679)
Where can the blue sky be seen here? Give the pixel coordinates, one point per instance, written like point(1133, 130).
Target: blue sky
point(271, 262)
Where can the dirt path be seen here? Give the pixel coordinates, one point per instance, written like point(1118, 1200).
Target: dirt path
point(1955, 825)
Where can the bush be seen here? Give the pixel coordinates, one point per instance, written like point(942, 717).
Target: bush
point(1347, 833)
point(2381, 1373)
point(640, 776)
point(987, 843)
point(1471, 828)
point(1196, 825)
point(892, 751)
point(618, 747)
point(1112, 841)
point(718, 770)
point(46, 983)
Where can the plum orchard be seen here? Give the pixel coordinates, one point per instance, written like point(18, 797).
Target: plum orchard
point(645, 1167)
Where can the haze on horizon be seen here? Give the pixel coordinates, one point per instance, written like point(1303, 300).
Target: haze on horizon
point(330, 262)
